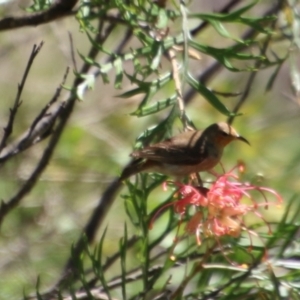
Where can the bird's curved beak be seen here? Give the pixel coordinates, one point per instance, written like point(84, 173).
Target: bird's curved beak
point(243, 139)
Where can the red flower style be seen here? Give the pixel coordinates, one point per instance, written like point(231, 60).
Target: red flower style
point(222, 210)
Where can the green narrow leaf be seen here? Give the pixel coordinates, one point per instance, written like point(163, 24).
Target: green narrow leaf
point(145, 38)
point(223, 55)
point(255, 23)
point(294, 74)
point(156, 60)
point(223, 31)
point(275, 281)
point(105, 68)
point(159, 82)
point(228, 17)
point(88, 60)
point(158, 132)
point(98, 268)
point(132, 201)
point(85, 285)
point(123, 252)
point(119, 72)
point(162, 19)
point(105, 78)
point(100, 246)
point(141, 83)
point(88, 83)
point(129, 207)
point(208, 95)
point(218, 55)
point(150, 93)
point(149, 88)
point(99, 46)
point(137, 65)
point(273, 78)
point(59, 295)
point(133, 92)
point(155, 107)
point(37, 289)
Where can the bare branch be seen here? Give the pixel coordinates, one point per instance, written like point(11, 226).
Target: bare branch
point(13, 111)
point(52, 101)
point(61, 8)
point(72, 52)
point(39, 129)
point(5, 208)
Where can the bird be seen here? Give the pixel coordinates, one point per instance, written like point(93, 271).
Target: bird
point(184, 154)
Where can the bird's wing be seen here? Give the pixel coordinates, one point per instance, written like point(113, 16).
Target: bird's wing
point(179, 150)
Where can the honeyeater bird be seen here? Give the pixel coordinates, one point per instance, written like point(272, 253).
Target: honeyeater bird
point(184, 154)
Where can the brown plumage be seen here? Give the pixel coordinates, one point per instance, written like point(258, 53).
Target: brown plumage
point(186, 153)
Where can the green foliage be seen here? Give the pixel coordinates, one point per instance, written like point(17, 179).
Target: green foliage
point(155, 272)
point(147, 59)
point(149, 24)
point(131, 45)
point(39, 5)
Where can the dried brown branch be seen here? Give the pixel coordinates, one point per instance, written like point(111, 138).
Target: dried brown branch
point(13, 111)
point(6, 207)
point(39, 129)
point(50, 103)
point(178, 87)
point(60, 8)
point(72, 52)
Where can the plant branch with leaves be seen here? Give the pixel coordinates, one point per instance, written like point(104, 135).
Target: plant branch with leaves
point(185, 238)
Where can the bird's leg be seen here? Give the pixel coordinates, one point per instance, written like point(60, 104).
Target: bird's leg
point(196, 179)
point(199, 179)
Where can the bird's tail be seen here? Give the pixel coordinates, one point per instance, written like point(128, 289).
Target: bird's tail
point(134, 167)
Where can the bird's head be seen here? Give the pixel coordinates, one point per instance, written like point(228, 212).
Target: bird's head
point(222, 133)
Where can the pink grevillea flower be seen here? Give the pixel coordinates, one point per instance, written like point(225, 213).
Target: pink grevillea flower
point(219, 209)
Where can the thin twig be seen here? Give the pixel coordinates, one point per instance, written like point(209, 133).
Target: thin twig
point(59, 9)
point(216, 292)
point(5, 208)
point(224, 10)
point(13, 111)
point(250, 80)
point(51, 102)
point(72, 51)
point(39, 129)
point(178, 86)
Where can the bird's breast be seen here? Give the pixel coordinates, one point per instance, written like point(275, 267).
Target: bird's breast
point(206, 164)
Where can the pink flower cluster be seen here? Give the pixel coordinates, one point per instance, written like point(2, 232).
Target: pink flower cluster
point(219, 210)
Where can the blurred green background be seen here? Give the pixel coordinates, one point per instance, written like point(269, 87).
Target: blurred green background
point(35, 238)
